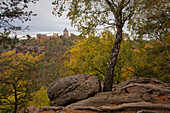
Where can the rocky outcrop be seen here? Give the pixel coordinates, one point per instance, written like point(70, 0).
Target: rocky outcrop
point(136, 95)
point(71, 89)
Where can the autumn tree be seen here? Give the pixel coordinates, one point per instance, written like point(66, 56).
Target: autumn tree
point(17, 78)
point(153, 23)
point(89, 15)
point(149, 60)
point(142, 59)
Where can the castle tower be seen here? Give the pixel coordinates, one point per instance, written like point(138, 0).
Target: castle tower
point(65, 33)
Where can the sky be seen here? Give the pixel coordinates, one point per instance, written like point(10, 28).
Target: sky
point(45, 22)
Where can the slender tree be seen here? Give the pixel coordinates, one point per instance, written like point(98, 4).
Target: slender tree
point(90, 15)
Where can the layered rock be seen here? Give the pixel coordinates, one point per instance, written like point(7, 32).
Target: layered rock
point(72, 89)
point(134, 94)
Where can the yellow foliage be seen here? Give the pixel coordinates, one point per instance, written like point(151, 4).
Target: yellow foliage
point(144, 50)
point(40, 98)
point(90, 55)
point(19, 61)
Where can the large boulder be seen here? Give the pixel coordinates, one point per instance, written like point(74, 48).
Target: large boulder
point(72, 89)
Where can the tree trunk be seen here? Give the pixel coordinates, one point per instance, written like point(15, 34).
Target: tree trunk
point(108, 82)
point(16, 100)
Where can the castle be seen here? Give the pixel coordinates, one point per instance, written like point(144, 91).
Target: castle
point(65, 33)
point(55, 35)
point(39, 49)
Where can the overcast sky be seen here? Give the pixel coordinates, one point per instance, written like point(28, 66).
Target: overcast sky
point(45, 22)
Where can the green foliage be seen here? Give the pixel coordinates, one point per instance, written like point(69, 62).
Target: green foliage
point(137, 58)
point(40, 98)
point(150, 60)
point(91, 56)
point(153, 19)
point(89, 15)
point(152, 22)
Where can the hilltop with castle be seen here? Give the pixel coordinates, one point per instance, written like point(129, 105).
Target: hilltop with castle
point(36, 46)
point(55, 35)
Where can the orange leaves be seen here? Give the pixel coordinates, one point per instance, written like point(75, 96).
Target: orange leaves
point(148, 46)
point(136, 50)
point(167, 44)
point(168, 56)
point(127, 72)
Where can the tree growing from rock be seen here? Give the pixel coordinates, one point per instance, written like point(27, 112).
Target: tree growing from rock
point(90, 56)
point(90, 15)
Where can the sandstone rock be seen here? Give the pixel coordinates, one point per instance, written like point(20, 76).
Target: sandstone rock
point(136, 95)
point(31, 109)
point(50, 108)
point(130, 95)
point(72, 89)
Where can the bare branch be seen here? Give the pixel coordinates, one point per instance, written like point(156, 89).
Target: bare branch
point(11, 103)
point(112, 6)
point(128, 17)
point(125, 4)
point(99, 71)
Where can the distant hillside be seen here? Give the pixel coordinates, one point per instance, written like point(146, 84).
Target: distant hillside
point(53, 63)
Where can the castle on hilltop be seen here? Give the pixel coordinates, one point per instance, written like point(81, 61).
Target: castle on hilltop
point(65, 33)
point(55, 35)
point(35, 50)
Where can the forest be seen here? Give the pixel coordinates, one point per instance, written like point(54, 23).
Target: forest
point(111, 54)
